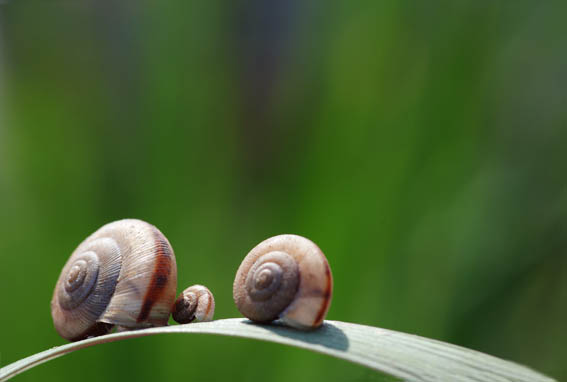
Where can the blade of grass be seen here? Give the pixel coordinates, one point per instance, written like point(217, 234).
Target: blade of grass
point(406, 356)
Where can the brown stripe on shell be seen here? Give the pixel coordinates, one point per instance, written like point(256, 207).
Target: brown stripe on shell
point(326, 297)
point(209, 306)
point(160, 276)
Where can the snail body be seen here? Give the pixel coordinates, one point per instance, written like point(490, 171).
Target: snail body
point(124, 274)
point(286, 277)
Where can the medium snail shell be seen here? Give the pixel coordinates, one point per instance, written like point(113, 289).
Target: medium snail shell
point(123, 274)
point(286, 277)
point(194, 304)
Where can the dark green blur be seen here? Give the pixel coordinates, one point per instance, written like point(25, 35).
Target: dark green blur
point(422, 145)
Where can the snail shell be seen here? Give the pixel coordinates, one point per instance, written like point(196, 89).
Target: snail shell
point(123, 274)
point(286, 277)
point(195, 303)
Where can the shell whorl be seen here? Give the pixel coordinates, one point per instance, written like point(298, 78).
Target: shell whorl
point(286, 277)
point(123, 274)
point(194, 304)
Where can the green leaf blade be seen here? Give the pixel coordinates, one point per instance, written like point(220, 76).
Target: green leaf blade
point(405, 356)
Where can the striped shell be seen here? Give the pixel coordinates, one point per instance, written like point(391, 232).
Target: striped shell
point(194, 304)
point(123, 274)
point(285, 277)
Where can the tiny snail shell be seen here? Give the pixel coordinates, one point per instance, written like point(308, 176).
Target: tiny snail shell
point(123, 274)
point(194, 304)
point(286, 277)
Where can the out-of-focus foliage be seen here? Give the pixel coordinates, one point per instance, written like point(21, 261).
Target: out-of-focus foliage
point(422, 145)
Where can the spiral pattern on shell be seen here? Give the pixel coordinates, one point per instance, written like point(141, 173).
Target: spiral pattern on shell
point(286, 277)
point(194, 304)
point(123, 274)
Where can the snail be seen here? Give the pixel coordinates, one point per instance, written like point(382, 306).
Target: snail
point(286, 277)
point(195, 303)
point(124, 274)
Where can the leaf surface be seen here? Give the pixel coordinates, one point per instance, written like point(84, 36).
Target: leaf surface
point(405, 356)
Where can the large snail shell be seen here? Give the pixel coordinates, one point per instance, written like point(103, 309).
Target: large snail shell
point(286, 277)
point(123, 274)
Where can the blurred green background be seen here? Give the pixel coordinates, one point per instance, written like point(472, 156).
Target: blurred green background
point(422, 145)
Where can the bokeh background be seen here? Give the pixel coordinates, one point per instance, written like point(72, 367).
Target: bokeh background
point(422, 145)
